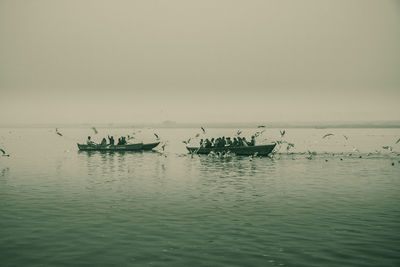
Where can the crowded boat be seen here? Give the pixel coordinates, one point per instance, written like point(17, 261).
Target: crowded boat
point(227, 142)
point(111, 141)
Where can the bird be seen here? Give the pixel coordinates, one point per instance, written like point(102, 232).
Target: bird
point(156, 135)
point(398, 140)
point(289, 146)
point(329, 134)
point(57, 132)
point(187, 141)
point(238, 132)
point(312, 153)
point(345, 137)
point(257, 134)
point(387, 148)
point(4, 153)
point(94, 130)
point(163, 147)
point(261, 126)
point(204, 131)
point(283, 132)
point(197, 135)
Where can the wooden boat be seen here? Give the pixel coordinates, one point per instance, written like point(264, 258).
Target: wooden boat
point(261, 150)
point(127, 147)
point(149, 146)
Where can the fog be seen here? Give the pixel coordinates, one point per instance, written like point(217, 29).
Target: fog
point(199, 61)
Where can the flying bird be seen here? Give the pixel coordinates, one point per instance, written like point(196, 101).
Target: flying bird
point(57, 132)
point(156, 135)
point(398, 140)
point(257, 134)
point(238, 132)
point(261, 126)
point(283, 132)
point(387, 148)
point(187, 141)
point(329, 134)
point(204, 131)
point(4, 153)
point(345, 137)
point(197, 135)
point(289, 146)
point(163, 147)
point(95, 130)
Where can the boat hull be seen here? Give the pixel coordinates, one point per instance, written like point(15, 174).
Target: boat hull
point(128, 147)
point(149, 146)
point(261, 150)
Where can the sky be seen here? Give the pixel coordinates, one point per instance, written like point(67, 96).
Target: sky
point(97, 61)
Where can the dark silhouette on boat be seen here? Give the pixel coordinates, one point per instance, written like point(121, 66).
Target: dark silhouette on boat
point(127, 147)
point(260, 150)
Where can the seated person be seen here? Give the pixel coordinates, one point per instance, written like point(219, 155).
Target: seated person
point(245, 143)
point(90, 142)
point(123, 140)
point(103, 142)
point(217, 142)
point(223, 141)
point(253, 141)
point(207, 143)
point(212, 142)
point(111, 140)
point(235, 142)
point(228, 141)
point(240, 141)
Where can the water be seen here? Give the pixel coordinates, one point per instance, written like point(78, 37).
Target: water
point(61, 207)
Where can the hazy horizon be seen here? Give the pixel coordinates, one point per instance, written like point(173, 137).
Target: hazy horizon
point(200, 62)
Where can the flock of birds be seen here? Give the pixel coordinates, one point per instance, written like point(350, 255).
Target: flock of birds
point(282, 143)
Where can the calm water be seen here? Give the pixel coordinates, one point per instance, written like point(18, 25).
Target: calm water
point(60, 207)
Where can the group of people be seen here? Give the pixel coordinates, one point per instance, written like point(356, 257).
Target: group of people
point(228, 141)
point(121, 141)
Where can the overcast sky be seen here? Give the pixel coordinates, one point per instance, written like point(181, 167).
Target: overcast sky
point(199, 61)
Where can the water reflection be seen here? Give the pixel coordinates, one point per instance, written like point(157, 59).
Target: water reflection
point(235, 166)
point(4, 172)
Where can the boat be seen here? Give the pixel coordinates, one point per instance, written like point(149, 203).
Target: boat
point(150, 146)
point(260, 150)
point(127, 147)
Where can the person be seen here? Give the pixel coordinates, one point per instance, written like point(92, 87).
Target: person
point(253, 141)
point(229, 141)
point(103, 142)
point(123, 140)
point(240, 141)
point(119, 141)
point(223, 141)
point(245, 143)
point(90, 142)
point(216, 142)
point(235, 142)
point(212, 142)
point(111, 140)
point(207, 143)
